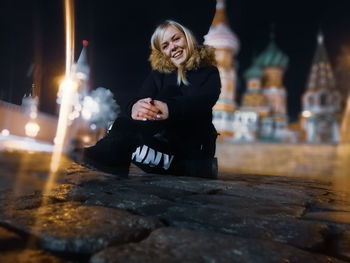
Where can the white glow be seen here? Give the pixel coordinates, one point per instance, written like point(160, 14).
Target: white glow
point(90, 106)
point(32, 129)
point(306, 114)
point(5, 132)
point(33, 115)
point(25, 144)
point(68, 84)
point(93, 126)
point(86, 114)
point(71, 116)
point(77, 107)
point(81, 76)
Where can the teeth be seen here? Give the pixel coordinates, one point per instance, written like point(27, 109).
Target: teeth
point(177, 54)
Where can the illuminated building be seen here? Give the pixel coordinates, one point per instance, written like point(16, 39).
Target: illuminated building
point(321, 102)
point(226, 45)
point(14, 118)
point(274, 62)
point(265, 97)
point(253, 109)
point(26, 120)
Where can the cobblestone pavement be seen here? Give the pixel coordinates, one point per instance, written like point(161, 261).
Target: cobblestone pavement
point(90, 216)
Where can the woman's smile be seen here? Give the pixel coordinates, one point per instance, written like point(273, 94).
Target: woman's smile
point(177, 54)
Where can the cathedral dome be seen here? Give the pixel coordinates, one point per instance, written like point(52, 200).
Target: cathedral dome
point(254, 72)
point(220, 35)
point(272, 56)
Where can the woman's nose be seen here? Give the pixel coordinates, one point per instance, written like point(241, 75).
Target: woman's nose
point(172, 46)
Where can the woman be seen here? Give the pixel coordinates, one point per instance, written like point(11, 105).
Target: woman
point(168, 128)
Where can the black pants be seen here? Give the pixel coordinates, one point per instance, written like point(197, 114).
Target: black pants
point(153, 146)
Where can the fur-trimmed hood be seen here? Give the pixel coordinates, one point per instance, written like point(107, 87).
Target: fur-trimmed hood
point(202, 56)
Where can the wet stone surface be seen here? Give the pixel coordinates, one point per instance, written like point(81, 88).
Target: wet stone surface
point(93, 216)
point(30, 256)
point(295, 232)
point(73, 228)
point(182, 245)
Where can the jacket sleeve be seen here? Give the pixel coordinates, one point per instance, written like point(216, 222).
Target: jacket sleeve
point(200, 102)
point(148, 90)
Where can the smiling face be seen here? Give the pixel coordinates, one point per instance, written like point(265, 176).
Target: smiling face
point(173, 44)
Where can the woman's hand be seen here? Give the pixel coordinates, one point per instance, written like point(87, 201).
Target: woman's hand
point(163, 113)
point(144, 110)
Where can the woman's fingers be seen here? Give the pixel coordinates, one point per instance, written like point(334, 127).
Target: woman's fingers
point(149, 106)
point(146, 109)
point(163, 110)
point(141, 113)
point(145, 113)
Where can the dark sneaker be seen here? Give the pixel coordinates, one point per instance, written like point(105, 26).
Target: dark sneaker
point(111, 154)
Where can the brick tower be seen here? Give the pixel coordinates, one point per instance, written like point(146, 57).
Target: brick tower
point(226, 45)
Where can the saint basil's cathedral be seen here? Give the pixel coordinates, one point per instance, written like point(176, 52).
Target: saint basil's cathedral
point(262, 115)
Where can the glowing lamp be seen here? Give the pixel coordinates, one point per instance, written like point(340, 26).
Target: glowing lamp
point(306, 114)
point(32, 129)
point(5, 132)
point(68, 84)
point(86, 139)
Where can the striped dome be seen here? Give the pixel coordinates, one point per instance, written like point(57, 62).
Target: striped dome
point(221, 36)
point(253, 72)
point(272, 56)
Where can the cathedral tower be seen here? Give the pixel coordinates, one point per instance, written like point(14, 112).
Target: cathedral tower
point(226, 45)
point(274, 63)
point(321, 102)
point(254, 98)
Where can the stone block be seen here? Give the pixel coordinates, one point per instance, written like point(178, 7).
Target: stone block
point(181, 245)
point(73, 228)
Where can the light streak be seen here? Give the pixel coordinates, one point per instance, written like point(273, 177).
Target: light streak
point(68, 88)
point(69, 23)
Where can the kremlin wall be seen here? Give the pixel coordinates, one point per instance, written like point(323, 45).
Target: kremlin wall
point(12, 115)
point(255, 137)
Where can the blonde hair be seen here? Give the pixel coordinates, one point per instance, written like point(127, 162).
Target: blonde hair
point(190, 39)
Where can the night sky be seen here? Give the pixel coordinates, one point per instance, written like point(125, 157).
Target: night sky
point(119, 33)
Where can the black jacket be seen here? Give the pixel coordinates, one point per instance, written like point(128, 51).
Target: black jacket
point(190, 107)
